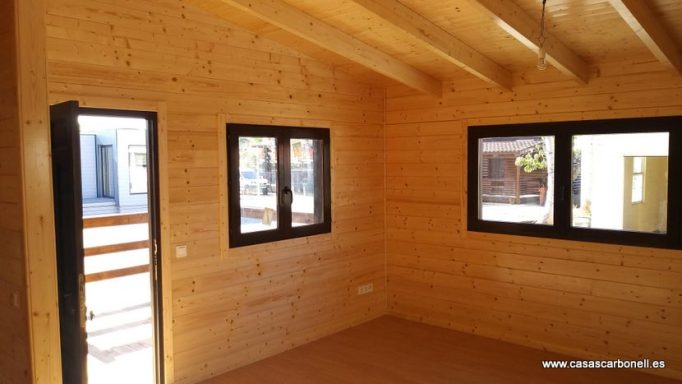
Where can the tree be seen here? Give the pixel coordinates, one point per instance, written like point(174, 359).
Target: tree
point(540, 157)
point(267, 163)
point(533, 160)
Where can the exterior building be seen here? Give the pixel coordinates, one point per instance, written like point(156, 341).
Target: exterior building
point(113, 165)
point(504, 182)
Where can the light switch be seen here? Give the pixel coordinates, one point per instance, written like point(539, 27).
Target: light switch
point(180, 251)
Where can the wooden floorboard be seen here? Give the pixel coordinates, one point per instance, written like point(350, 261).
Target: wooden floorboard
point(391, 350)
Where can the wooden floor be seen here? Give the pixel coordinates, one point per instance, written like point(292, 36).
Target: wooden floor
point(391, 350)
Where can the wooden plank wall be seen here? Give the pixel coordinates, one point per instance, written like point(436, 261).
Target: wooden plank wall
point(577, 298)
point(236, 306)
point(14, 333)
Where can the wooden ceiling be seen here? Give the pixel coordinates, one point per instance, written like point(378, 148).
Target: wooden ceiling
point(422, 43)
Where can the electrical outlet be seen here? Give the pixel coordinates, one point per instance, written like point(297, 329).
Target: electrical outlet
point(180, 251)
point(365, 289)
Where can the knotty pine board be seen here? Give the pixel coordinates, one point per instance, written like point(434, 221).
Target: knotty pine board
point(230, 308)
point(583, 299)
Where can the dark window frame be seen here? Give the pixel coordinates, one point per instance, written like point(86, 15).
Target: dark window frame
point(284, 230)
point(563, 133)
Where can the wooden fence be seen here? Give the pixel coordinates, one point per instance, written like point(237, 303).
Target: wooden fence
point(109, 221)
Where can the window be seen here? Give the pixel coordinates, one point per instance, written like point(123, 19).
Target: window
point(137, 168)
point(496, 168)
point(604, 181)
point(106, 170)
point(637, 190)
point(279, 183)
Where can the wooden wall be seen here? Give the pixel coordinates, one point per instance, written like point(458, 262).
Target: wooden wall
point(14, 331)
point(578, 298)
point(231, 307)
point(402, 182)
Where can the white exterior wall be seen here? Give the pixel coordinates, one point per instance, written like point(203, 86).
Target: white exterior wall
point(88, 166)
point(120, 132)
point(124, 139)
point(603, 180)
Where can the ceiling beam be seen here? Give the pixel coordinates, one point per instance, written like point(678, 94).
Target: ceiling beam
point(515, 21)
point(648, 27)
point(439, 41)
point(294, 21)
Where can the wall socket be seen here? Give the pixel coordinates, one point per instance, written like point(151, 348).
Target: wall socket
point(15, 299)
point(180, 251)
point(365, 289)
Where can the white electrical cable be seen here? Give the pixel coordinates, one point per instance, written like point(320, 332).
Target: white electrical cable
point(542, 59)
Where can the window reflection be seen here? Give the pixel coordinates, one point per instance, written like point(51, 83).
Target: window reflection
point(620, 182)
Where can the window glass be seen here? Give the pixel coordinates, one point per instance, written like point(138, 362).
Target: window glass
point(307, 182)
point(620, 181)
point(258, 183)
point(516, 179)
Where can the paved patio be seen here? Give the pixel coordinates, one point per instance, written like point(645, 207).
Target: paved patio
point(119, 326)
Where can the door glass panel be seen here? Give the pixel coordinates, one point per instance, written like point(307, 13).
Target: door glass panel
point(258, 183)
point(620, 182)
point(516, 179)
point(117, 251)
point(307, 182)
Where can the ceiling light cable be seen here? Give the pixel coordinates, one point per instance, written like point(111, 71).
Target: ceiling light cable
point(542, 60)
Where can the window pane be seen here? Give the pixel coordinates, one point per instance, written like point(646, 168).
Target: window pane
point(307, 182)
point(620, 182)
point(258, 183)
point(516, 179)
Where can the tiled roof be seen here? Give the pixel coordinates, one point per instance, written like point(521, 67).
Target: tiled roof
point(508, 146)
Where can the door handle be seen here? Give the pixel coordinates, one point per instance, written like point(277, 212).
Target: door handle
point(81, 300)
point(287, 196)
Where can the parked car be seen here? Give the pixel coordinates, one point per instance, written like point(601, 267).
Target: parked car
point(250, 183)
